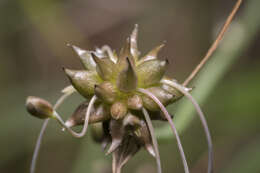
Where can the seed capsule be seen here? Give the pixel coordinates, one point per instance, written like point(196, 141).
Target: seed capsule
point(161, 94)
point(39, 108)
point(150, 72)
point(83, 81)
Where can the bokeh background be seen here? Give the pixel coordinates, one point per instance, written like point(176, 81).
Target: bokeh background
point(33, 38)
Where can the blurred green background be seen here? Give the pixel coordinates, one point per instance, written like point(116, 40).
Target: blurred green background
point(33, 37)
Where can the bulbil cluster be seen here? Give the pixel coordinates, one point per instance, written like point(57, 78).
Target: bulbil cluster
point(116, 118)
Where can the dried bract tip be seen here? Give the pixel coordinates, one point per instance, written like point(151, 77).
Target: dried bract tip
point(152, 54)
point(133, 42)
point(118, 110)
point(39, 108)
point(85, 58)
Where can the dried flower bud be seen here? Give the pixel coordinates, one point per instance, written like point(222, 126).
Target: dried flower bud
point(106, 92)
point(131, 122)
point(135, 102)
point(99, 113)
point(118, 110)
point(150, 72)
point(161, 94)
point(117, 132)
point(39, 108)
point(83, 81)
point(105, 67)
point(144, 137)
point(125, 152)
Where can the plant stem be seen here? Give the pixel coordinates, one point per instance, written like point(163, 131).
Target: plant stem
point(214, 45)
point(155, 143)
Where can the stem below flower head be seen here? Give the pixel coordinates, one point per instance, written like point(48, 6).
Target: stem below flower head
point(85, 127)
point(155, 144)
point(168, 117)
point(43, 129)
point(201, 116)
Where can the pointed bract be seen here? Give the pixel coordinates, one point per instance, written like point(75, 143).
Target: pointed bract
point(105, 67)
point(125, 53)
point(127, 79)
point(152, 54)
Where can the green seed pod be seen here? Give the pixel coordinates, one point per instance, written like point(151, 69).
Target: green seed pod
point(106, 92)
point(161, 94)
point(105, 67)
point(135, 102)
point(39, 108)
point(127, 79)
point(86, 58)
point(150, 72)
point(118, 110)
point(83, 81)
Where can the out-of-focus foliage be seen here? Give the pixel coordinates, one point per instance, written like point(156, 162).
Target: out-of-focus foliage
point(33, 37)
